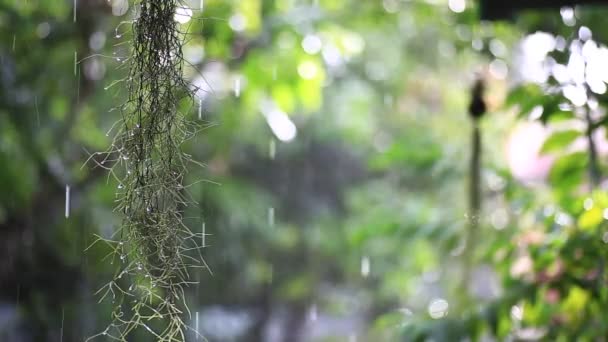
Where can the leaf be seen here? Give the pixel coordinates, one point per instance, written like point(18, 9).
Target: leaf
point(568, 171)
point(559, 140)
point(591, 218)
point(526, 97)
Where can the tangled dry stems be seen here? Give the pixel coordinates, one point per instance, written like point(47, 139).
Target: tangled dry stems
point(156, 249)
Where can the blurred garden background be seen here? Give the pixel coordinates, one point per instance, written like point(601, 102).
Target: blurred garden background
point(334, 201)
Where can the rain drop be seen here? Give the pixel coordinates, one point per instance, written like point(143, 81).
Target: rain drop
point(271, 217)
point(200, 109)
point(75, 63)
point(203, 236)
point(237, 87)
point(272, 148)
point(365, 266)
point(67, 201)
point(196, 314)
point(313, 313)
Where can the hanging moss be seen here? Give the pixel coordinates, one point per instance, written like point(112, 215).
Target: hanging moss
point(154, 245)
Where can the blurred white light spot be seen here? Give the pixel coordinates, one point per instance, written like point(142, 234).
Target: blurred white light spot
point(376, 70)
point(446, 49)
point(286, 40)
point(97, 40)
point(499, 219)
point(365, 266)
point(498, 69)
point(536, 113)
point(308, 70)
point(353, 44)
point(331, 55)
point(280, 124)
point(312, 44)
point(567, 14)
point(43, 29)
point(560, 43)
point(382, 141)
point(576, 94)
point(523, 157)
point(523, 265)
point(537, 45)
point(576, 67)
point(588, 203)
point(194, 54)
point(563, 219)
point(589, 49)
point(313, 313)
point(390, 6)
point(477, 44)
point(584, 33)
point(592, 103)
point(533, 51)
point(237, 22)
point(517, 313)
point(595, 84)
point(120, 7)
point(457, 6)
point(560, 73)
point(182, 14)
point(438, 308)
point(94, 69)
point(498, 48)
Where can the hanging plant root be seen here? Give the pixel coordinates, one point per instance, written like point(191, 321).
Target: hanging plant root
point(155, 249)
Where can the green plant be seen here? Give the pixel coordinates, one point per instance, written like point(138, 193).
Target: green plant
point(155, 246)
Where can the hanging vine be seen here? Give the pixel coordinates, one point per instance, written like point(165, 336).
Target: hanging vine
point(156, 249)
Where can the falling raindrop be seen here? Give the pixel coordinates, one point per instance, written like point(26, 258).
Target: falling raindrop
point(75, 63)
point(237, 87)
point(62, 320)
point(37, 111)
point(14, 41)
point(271, 275)
point(200, 109)
point(365, 266)
point(271, 217)
point(196, 319)
point(75, 6)
point(67, 201)
point(272, 148)
point(200, 6)
point(313, 313)
point(203, 236)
